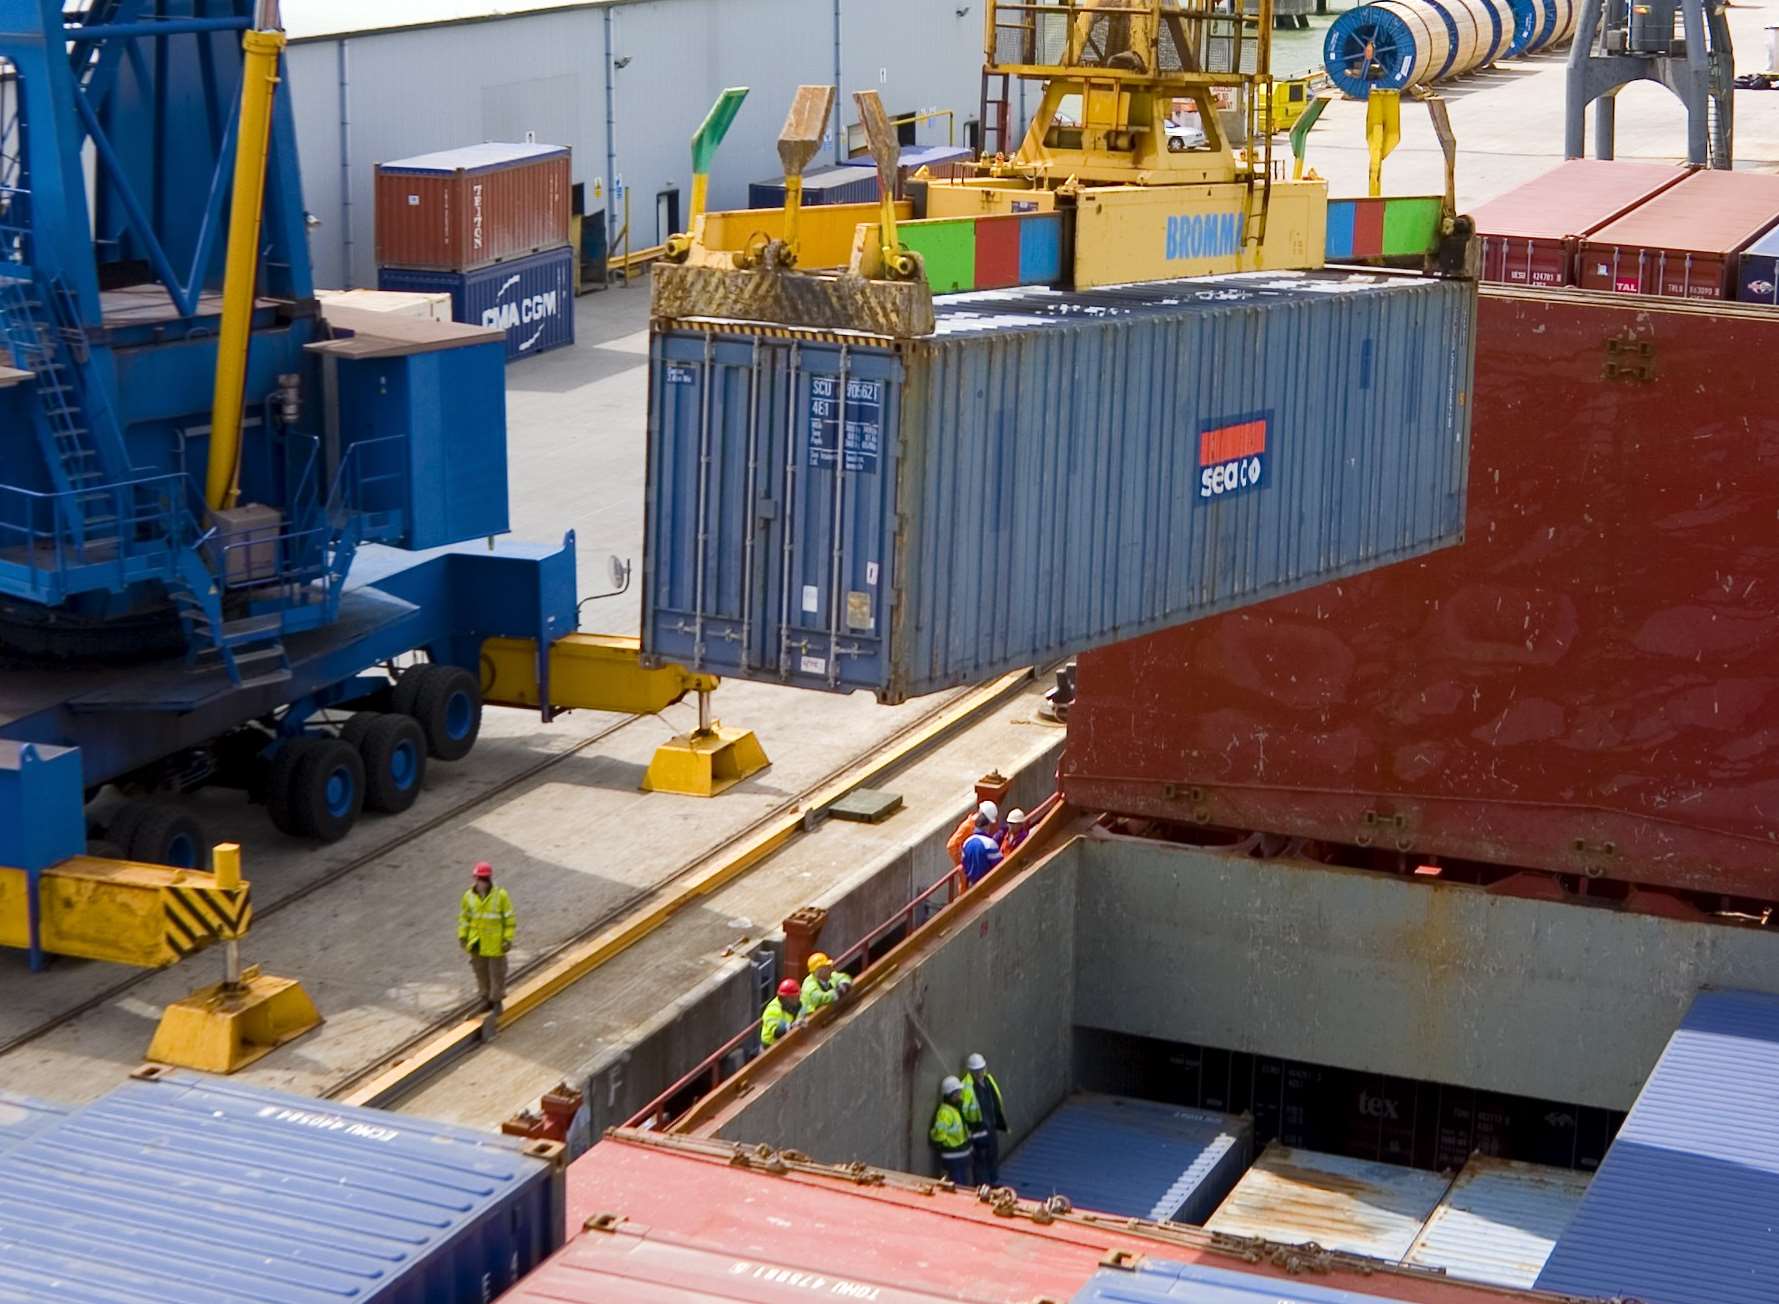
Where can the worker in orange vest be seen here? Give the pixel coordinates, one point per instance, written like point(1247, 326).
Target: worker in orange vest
point(985, 818)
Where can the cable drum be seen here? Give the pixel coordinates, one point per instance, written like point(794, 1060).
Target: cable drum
point(1397, 43)
point(1541, 24)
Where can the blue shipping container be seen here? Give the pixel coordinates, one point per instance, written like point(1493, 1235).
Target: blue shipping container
point(182, 1187)
point(22, 1117)
point(1132, 1157)
point(1499, 1222)
point(1048, 472)
point(1685, 1207)
point(836, 185)
point(530, 299)
point(1161, 1281)
point(1757, 279)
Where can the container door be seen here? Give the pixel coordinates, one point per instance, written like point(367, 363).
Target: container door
point(831, 535)
point(710, 415)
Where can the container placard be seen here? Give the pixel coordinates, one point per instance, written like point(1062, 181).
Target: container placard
point(1232, 456)
point(863, 419)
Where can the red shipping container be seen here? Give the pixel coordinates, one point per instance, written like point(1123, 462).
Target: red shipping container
point(677, 1220)
point(1529, 234)
point(1588, 684)
point(1683, 242)
point(461, 209)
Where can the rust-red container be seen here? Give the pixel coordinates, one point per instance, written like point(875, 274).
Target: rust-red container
point(1528, 235)
point(1588, 684)
point(1684, 241)
point(677, 1220)
point(461, 209)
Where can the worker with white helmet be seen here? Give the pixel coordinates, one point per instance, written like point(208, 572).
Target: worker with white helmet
point(985, 1116)
point(949, 1135)
point(1017, 829)
point(985, 818)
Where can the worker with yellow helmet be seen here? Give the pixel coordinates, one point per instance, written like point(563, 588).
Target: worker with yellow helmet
point(823, 987)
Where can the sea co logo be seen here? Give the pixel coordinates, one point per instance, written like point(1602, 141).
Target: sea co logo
point(522, 310)
point(1232, 457)
point(1204, 235)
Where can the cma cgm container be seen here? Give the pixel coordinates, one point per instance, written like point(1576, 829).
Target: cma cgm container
point(1684, 242)
point(182, 1187)
point(1528, 236)
point(1045, 473)
point(1499, 1222)
point(461, 209)
point(1296, 1197)
point(1132, 1157)
point(835, 185)
point(529, 300)
point(669, 1220)
point(1587, 686)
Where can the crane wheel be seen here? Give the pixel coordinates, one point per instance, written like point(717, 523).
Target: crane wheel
point(393, 748)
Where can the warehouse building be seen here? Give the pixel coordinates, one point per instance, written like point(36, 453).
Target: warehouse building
point(622, 82)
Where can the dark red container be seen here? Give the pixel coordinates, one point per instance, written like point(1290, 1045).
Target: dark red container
point(1588, 684)
point(461, 209)
point(1528, 235)
point(1684, 241)
point(678, 1220)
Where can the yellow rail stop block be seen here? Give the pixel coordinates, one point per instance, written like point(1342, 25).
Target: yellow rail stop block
point(124, 912)
point(227, 1026)
point(705, 762)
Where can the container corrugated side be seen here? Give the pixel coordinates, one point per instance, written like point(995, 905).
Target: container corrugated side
point(1499, 1222)
point(1684, 242)
point(1132, 1157)
point(181, 1187)
point(22, 1117)
point(1295, 1197)
point(835, 185)
point(461, 210)
point(1158, 1281)
point(1757, 271)
point(1527, 236)
point(1049, 472)
point(1685, 1208)
point(530, 299)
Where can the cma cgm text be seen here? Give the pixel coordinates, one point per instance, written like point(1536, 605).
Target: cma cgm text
point(535, 307)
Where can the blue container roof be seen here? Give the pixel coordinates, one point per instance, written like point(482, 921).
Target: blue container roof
point(474, 158)
point(1768, 244)
point(181, 1187)
point(23, 1117)
point(1115, 1155)
point(831, 178)
point(1685, 1208)
point(917, 156)
point(1161, 1281)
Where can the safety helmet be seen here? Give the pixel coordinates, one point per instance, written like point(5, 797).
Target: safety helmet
point(975, 1063)
point(1016, 816)
point(948, 1085)
point(820, 961)
point(989, 811)
point(789, 987)
point(484, 870)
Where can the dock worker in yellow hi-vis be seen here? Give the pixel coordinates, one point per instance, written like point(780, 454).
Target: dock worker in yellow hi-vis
point(949, 1135)
point(485, 931)
point(782, 1013)
point(823, 987)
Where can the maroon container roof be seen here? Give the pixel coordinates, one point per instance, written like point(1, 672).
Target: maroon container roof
point(1710, 212)
point(1576, 198)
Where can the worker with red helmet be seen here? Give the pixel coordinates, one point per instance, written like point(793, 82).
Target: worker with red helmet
point(783, 1012)
point(485, 931)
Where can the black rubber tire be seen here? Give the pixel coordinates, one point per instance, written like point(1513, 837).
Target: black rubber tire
point(353, 730)
point(168, 836)
point(280, 776)
point(327, 789)
point(393, 748)
point(449, 709)
point(122, 828)
point(407, 689)
point(1175, 145)
point(104, 849)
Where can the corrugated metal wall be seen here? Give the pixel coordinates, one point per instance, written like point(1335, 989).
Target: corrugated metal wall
point(417, 90)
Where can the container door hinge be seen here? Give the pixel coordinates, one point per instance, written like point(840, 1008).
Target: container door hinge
point(1629, 358)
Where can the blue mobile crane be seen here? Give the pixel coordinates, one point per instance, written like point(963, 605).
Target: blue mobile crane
point(222, 513)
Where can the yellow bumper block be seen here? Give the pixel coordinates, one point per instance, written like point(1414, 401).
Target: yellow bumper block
point(704, 763)
point(123, 912)
point(219, 1029)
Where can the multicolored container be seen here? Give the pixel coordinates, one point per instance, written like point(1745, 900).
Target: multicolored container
point(987, 253)
point(1395, 227)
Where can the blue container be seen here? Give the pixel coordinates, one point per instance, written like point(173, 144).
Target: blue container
point(1499, 1222)
point(530, 299)
point(1161, 1281)
point(22, 1118)
point(1685, 1205)
point(182, 1187)
point(837, 185)
point(1757, 277)
point(1046, 473)
point(1133, 1157)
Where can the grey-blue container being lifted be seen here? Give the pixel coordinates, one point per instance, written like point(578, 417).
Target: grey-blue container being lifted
point(181, 1187)
point(1049, 472)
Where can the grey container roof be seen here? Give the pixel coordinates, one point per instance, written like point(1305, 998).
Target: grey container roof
point(473, 158)
point(1137, 1158)
point(1499, 1222)
point(1685, 1208)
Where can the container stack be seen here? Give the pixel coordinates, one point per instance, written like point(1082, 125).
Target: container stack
point(488, 225)
point(1529, 236)
point(1685, 242)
